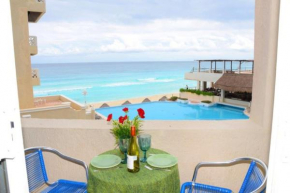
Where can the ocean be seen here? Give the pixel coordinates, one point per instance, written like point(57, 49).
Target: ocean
point(109, 81)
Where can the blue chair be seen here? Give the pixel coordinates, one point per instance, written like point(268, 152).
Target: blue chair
point(37, 176)
point(254, 182)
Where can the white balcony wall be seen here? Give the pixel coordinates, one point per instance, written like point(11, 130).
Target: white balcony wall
point(203, 76)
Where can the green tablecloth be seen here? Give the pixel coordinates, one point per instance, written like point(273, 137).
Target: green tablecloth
point(121, 181)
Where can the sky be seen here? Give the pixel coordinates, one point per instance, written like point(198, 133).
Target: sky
point(144, 30)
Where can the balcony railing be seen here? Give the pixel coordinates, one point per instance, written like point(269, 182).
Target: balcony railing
point(58, 107)
point(35, 77)
point(221, 70)
point(33, 45)
point(32, 40)
point(225, 66)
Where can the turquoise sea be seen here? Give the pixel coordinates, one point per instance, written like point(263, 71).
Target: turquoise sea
point(111, 81)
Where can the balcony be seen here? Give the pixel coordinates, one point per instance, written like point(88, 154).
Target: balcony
point(36, 8)
point(33, 45)
point(57, 107)
point(212, 70)
point(190, 141)
point(35, 77)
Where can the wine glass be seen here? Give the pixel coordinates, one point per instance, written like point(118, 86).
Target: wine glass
point(144, 141)
point(123, 145)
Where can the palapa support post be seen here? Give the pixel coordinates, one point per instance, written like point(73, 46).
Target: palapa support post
point(198, 66)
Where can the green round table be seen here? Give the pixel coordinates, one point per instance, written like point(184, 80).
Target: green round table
point(120, 180)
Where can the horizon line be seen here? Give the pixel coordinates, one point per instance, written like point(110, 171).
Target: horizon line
point(116, 62)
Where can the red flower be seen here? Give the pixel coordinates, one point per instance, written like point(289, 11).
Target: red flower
point(141, 113)
point(125, 109)
point(121, 119)
point(110, 116)
point(125, 118)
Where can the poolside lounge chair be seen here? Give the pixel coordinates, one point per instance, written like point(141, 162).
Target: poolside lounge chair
point(97, 117)
point(146, 100)
point(104, 105)
point(254, 182)
point(37, 176)
point(164, 98)
point(126, 103)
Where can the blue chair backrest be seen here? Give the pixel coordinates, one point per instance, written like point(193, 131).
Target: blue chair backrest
point(36, 172)
point(253, 179)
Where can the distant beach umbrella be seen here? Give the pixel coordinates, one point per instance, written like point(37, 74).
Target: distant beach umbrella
point(126, 103)
point(104, 105)
point(85, 92)
point(164, 98)
point(146, 100)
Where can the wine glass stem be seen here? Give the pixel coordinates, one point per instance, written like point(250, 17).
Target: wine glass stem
point(145, 156)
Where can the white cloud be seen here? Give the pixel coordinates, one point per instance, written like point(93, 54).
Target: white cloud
point(174, 36)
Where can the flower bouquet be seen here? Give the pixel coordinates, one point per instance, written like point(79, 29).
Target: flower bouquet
point(122, 127)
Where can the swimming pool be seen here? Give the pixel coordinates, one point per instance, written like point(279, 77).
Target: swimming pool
point(177, 111)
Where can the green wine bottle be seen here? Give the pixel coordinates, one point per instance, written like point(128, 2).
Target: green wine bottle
point(133, 153)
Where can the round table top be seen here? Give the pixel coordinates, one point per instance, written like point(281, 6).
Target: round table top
point(118, 179)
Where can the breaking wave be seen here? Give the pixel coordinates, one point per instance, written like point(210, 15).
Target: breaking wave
point(60, 90)
point(138, 82)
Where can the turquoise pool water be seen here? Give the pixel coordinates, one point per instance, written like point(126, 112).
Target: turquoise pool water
point(177, 111)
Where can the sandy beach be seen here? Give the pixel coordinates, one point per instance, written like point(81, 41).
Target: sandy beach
point(134, 100)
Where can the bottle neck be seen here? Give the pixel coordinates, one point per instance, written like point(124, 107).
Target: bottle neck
point(133, 131)
point(133, 138)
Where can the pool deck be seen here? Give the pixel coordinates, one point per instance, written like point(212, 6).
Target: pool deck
point(154, 98)
point(134, 100)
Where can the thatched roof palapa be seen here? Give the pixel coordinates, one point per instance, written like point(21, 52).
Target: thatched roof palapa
point(164, 98)
point(146, 100)
point(235, 82)
point(126, 103)
point(104, 105)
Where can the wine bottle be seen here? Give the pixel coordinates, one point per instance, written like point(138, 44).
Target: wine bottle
point(133, 153)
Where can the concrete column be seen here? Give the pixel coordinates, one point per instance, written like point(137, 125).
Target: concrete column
point(224, 69)
point(198, 66)
point(198, 85)
point(222, 95)
point(204, 85)
point(11, 139)
point(279, 165)
point(253, 67)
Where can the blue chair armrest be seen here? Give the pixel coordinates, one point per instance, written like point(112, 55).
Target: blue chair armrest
point(48, 149)
point(203, 188)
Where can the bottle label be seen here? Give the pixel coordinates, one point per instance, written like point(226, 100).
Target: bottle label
point(130, 161)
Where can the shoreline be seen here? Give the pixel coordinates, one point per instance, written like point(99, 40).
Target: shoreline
point(135, 100)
